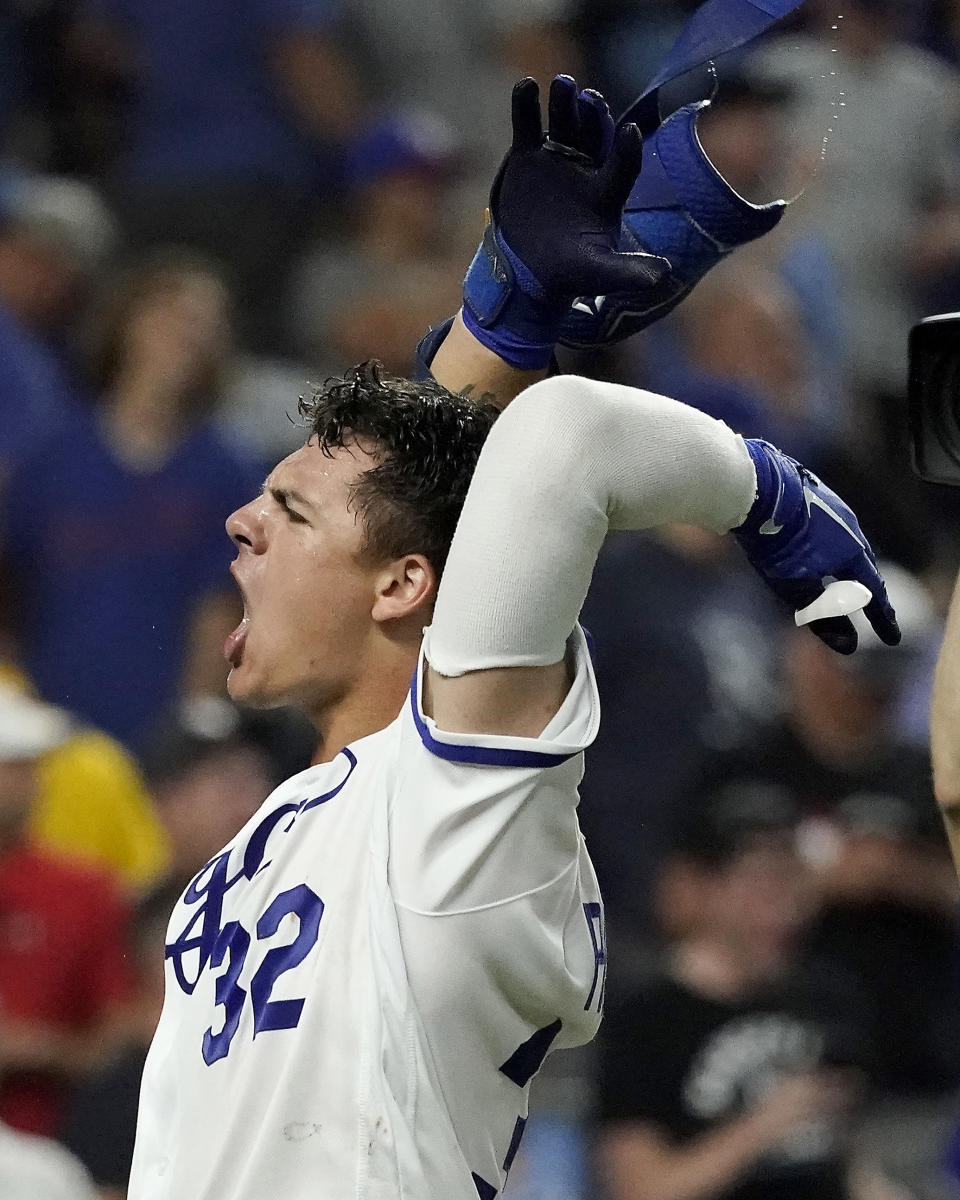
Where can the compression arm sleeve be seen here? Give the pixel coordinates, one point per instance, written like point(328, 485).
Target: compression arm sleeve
point(569, 460)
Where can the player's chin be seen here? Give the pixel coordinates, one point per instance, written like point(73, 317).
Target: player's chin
point(245, 687)
point(242, 686)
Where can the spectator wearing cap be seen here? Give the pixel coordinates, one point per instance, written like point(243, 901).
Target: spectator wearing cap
point(232, 132)
point(839, 731)
point(92, 804)
point(63, 978)
point(210, 766)
point(727, 1076)
point(392, 276)
point(53, 234)
point(112, 532)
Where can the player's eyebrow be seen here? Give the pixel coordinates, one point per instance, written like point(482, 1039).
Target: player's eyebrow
point(284, 495)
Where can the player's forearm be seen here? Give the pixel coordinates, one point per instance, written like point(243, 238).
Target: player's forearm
point(464, 365)
point(702, 1169)
point(945, 727)
point(568, 461)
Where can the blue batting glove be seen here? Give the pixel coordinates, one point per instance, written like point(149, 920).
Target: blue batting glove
point(681, 208)
point(798, 533)
point(554, 228)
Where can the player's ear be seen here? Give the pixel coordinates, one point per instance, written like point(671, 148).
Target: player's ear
point(403, 587)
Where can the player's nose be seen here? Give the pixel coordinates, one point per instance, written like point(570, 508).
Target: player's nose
point(245, 526)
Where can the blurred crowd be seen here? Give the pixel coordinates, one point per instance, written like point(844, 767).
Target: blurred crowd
point(202, 207)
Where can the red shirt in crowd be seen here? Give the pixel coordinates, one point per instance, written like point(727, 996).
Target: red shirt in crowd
point(63, 931)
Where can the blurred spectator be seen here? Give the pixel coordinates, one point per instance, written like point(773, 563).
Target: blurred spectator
point(838, 734)
point(687, 643)
point(63, 979)
point(53, 234)
point(102, 1120)
point(258, 412)
point(462, 67)
point(884, 201)
point(114, 527)
point(92, 804)
point(749, 137)
point(233, 131)
point(746, 358)
point(732, 1076)
point(394, 276)
point(33, 1168)
point(888, 925)
point(210, 766)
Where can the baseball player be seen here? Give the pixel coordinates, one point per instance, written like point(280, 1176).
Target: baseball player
point(361, 985)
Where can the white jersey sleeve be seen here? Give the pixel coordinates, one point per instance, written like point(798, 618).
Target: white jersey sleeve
point(480, 818)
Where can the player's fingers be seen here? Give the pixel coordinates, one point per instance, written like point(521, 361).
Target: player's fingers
point(836, 632)
point(564, 112)
point(879, 612)
point(882, 617)
point(596, 125)
point(622, 166)
point(616, 272)
point(527, 126)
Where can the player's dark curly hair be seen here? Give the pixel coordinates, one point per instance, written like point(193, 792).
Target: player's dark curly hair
point(426, 441)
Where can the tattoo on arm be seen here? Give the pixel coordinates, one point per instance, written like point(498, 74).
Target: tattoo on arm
point(468, 392)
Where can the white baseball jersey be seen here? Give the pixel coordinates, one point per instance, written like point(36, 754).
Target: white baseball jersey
point(360, 987)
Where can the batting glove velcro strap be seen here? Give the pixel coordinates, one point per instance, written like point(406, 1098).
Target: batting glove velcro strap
point(799, 534)
point(682, 208)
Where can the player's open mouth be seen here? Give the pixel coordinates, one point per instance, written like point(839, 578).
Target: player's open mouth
point(233, 645)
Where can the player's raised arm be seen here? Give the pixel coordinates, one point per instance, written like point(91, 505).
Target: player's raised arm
point(945, 728)
point(571, 459)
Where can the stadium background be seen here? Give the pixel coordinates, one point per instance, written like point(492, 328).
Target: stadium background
point(203, 206)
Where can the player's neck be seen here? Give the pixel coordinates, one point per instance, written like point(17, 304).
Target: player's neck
point(366, 708)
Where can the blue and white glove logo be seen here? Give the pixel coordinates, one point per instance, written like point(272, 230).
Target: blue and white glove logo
point(799, 534)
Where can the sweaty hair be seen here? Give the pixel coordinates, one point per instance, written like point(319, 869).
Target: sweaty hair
point(425, 441)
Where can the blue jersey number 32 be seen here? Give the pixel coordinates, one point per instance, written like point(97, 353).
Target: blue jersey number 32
point(233, 944)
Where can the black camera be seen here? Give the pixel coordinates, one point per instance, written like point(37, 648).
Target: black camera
point(934, 398)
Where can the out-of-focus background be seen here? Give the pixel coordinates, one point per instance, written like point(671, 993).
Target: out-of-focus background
point(205, 205)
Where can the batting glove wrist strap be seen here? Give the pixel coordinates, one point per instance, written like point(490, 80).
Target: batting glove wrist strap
point(554, 229)
point(507, 309)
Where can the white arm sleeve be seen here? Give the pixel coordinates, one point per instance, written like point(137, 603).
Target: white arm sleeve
point(569, 460)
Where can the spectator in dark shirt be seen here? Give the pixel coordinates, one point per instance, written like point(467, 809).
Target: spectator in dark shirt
point(728, 1077)
point(888, 924)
